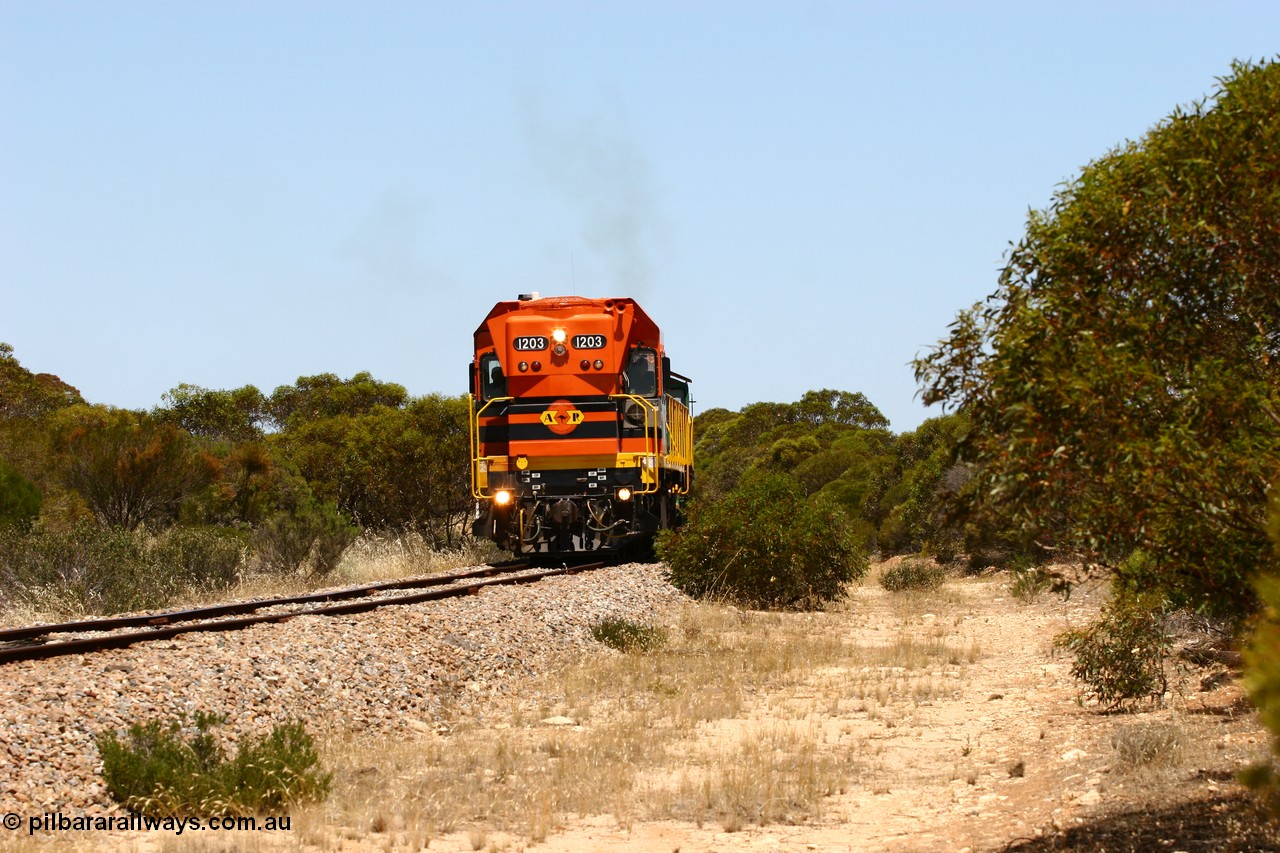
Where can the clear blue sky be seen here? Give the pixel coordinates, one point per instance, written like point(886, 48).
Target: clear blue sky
point(803, 194)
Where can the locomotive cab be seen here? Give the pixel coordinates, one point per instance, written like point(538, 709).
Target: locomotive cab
point(581, 435)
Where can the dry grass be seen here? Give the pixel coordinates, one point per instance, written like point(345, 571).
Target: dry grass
point(1155, 746)
point(679, 732)
point(372, 557)
point(385, 557)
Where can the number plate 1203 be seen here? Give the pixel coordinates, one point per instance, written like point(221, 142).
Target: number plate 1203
point(530, 343)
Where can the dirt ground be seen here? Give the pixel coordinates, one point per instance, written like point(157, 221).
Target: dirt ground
point(994, 750)
point(1010, 756)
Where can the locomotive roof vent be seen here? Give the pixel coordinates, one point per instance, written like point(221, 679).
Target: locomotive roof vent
point(529, 297)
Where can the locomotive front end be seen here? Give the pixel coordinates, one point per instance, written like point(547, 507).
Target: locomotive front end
point(581, 434)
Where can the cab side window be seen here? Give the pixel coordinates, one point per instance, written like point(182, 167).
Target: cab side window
point(493, 382)
point(642, 373)
point(677, 390)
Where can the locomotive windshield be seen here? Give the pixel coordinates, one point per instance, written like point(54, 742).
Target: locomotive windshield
point(642, 373)
point(493, 382)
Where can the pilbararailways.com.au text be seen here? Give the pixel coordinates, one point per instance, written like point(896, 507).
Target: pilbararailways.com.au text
point(58, 822)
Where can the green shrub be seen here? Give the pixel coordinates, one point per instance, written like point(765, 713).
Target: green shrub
point(157, 771)
point(1029, 582)
point(308, 535)
point(88, 569)
point(628, 636)
point(19, 498)
point(764, 545)
point(200, 557)
point(913, 574)
point(1121, 656)
point(94, 569)
point(1262, 680)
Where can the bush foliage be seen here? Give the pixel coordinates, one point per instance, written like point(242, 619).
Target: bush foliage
point(1030, 581)
point(1121, 656)
point(625, 635)
point(19, 498)
point(1262, 678)
point(914, 574)
point(220, 483)
point(1130, 350)
point(107, 509)
point(1262, 671)
point(764, 545)
point(157, 770)
point(893, 489)
point(91, 569)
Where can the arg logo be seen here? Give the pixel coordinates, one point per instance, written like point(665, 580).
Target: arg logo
point(561, 417)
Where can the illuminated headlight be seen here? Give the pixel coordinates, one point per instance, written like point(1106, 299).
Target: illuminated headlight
point(624, 494)
point(558, 336)
point(502, 497)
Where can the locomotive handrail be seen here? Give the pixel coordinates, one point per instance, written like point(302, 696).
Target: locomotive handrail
point(680, 421)
point(475, 440)
point(678, 447)
point(651, 439)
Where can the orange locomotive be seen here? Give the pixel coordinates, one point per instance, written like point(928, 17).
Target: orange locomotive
point(581, 436)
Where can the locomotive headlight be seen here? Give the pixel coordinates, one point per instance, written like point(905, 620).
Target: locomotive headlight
point(558, 335)
point(624, 494)
point(502, 497)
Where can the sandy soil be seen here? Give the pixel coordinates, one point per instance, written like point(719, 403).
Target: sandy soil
point(998, 750)
point(1010, 753)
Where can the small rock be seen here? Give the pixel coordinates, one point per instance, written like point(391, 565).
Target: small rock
point(1088, 798)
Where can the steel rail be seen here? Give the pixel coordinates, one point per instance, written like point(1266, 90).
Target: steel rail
point(36, 651)
point(113, 623)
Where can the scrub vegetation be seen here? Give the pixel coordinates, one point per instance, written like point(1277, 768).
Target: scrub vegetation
point(106, 510)
point(765, 545)
point(157, 769)
point(1122, 385)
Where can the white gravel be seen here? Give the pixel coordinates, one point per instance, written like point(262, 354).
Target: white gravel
point(391, 670)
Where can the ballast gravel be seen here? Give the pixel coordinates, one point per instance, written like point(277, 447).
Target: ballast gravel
point(393, 670)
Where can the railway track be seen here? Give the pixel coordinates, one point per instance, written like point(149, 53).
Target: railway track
point(34, 642)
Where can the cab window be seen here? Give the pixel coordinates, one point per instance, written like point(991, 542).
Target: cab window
point(493, 382)
point(677, 390)
point(642, 373)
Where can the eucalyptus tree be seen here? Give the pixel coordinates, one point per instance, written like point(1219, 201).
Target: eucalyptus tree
point(1125, 374)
